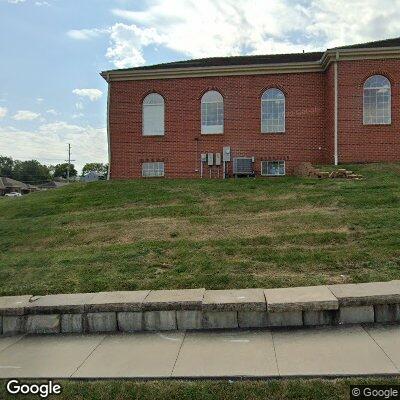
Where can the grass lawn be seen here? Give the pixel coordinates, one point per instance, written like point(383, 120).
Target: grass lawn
point(152, 234)
point(310, 389)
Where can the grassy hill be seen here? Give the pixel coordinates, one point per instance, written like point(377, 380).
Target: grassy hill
point(129, 235)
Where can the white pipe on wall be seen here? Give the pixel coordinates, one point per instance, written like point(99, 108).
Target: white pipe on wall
point(108, 131)
point(336, 134)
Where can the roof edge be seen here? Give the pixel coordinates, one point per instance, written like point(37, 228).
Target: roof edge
point(328, 56)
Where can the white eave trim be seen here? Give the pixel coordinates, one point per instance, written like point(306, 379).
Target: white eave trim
point(254, 69)
point(356, 54)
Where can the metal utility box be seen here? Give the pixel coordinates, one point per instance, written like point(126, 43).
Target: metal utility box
point(217, 158)
point(243, 166)
point(203, 157)
point(226, 156)
point(210, 159)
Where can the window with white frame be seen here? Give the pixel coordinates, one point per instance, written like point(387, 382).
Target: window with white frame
point(273, 111)
point(152, 169)
point(212, 112)
point(273, 168)
point(377, 101)
point(153, 115)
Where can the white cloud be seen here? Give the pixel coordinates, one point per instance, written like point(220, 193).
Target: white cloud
point(16, 1)
point(92, 94)
point(40, 99)
point(233, 27)
point(79, 106)
point(52, 112)
point(127, 43)
point(3, 112)
point(42, 3)
point(25, 115)
point(85, 34)
point(77, 115)
point(48, 143)
point(341, 22)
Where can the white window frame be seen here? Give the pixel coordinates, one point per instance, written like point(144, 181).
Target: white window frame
point(149, 107)
point(211, 129)
point(155, 169)
point(273, 161)
point(264, 129)
point(373, 119)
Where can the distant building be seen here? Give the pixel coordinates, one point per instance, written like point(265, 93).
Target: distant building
point(261, 114)
point(52, 185)
point(91, 176)
point(8, 185)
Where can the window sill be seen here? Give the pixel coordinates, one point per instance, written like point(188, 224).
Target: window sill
point(275, 176)
point(152, 136)
point(384, 124)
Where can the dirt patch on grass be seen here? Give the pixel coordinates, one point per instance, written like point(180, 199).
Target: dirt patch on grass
point(231, 226)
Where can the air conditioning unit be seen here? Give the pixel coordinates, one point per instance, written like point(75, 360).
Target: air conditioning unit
point(243, 166)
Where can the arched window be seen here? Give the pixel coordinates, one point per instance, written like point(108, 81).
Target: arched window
point(377, 101)
point(212, 112)
point(153, 115)
point(272, 111)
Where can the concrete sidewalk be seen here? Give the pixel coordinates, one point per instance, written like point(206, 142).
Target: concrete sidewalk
point(333, 351)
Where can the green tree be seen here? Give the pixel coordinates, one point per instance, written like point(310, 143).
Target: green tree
point(30, 172)
point(52, 169)
point(61, 171)
point(6, 166)
point(100, 168)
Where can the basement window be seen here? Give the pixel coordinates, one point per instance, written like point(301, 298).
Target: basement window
point(152, 169)
point(273, 168)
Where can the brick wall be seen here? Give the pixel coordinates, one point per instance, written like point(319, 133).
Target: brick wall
point(367, 143)
point(309, 121)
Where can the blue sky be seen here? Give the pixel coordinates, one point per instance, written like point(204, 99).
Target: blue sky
point(52, 51)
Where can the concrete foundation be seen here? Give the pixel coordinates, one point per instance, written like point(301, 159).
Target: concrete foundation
point(72, 323)
point(313, 318)
point(130, 321)
point(220, 319)
point(13, 324)
point(102, 322)
point(252, 319)
point(356, 314)
point(188, 320)
point(286, 318)
point(43, 324)
point(387, 312)
point(159, 320)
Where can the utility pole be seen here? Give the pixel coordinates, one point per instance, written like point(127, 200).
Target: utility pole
point(69, 160)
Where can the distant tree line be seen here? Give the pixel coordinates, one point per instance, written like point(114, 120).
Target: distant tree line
point(101, 169)
point(34, 172)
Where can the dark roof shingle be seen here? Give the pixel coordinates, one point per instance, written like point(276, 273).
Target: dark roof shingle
point(394, 42)
point(236, 60)
point(11, 183)
point(259, 59)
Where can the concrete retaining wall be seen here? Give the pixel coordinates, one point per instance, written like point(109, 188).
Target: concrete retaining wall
point(195, 309)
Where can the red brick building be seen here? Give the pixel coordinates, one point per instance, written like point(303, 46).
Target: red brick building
point(259, 115)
